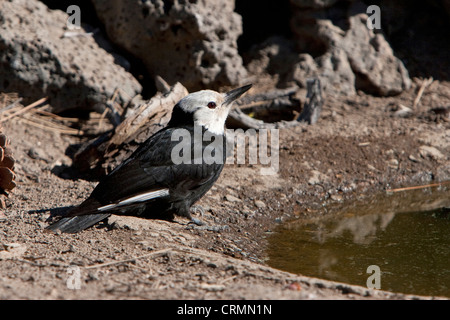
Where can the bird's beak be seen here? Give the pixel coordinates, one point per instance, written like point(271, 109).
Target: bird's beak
point(232, 95)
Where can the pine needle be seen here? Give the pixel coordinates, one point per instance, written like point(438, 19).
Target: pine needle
point(25, 109)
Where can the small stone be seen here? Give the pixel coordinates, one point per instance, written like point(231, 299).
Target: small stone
point(315, 178)
point(402, 111)
point(431, 152)
point(212, 287)
point(260, 204)
point(211, 265)
point(336, 197)
point(392, 163)
point(232, 198)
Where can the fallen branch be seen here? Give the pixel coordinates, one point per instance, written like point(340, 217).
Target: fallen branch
point(313, 105)
point(310, 113)
point(113, 263)
point(141, 121)
point(418, 187)
point(425, 83)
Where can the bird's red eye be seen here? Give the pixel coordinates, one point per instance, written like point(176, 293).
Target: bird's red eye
point(212, 105)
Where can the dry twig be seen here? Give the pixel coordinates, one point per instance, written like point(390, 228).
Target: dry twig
point(425, 83)
point(419, 187)
point(112, 263)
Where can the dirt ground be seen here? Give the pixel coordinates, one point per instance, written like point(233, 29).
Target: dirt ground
point(360, 144)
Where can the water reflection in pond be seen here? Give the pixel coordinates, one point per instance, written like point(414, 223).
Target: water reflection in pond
point(406, 234)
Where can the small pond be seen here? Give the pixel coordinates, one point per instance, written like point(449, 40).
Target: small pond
point(405, 235)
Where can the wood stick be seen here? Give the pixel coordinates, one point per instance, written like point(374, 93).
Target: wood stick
point(310, 113)
point(425, 83)
point(419, 187)
point(47, 121)
point(313, 105)
point(58, 130)
point(112, 263)
point(55, 116)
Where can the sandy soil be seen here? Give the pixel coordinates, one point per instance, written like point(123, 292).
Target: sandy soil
point(359, 145)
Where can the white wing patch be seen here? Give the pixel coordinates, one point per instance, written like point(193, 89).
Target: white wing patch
point(136, 199)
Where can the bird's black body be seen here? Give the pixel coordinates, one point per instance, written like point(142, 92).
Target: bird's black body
point(149, 168)
point(163, 188)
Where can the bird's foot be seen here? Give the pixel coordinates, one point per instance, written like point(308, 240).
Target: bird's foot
point(198, 208)
point(197, 224)
point(196, 221)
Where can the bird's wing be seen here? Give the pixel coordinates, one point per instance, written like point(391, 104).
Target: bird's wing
point(149, 173)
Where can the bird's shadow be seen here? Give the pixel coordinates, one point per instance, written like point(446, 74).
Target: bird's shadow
point(58, 212)
point(62, 211)
point(54, 212)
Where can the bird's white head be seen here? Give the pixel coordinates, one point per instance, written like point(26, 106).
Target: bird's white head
point(210, 108)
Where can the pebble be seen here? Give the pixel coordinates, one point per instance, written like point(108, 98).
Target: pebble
point(260, 204)
point(403, 111)
point(431, 152)
point(315, 178)
point(413, 159)
point(37, 154)
point(392, 163)
point(336, 197)
point(232, 198)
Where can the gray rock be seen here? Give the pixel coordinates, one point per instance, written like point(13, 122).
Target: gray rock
point(333, 69)
point(193, 42)
point(38, 60)
point(278, 56)
point(373, 60)
point(348, 41)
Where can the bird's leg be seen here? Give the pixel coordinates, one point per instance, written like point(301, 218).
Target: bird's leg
point(196, 221)
point(198, 208)
point(200, 225)
point(185, 211)
point(194, 209)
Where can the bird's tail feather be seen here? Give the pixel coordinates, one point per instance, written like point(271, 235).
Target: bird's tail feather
point(91, 211)
point(79, 218)
point(77, 223)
